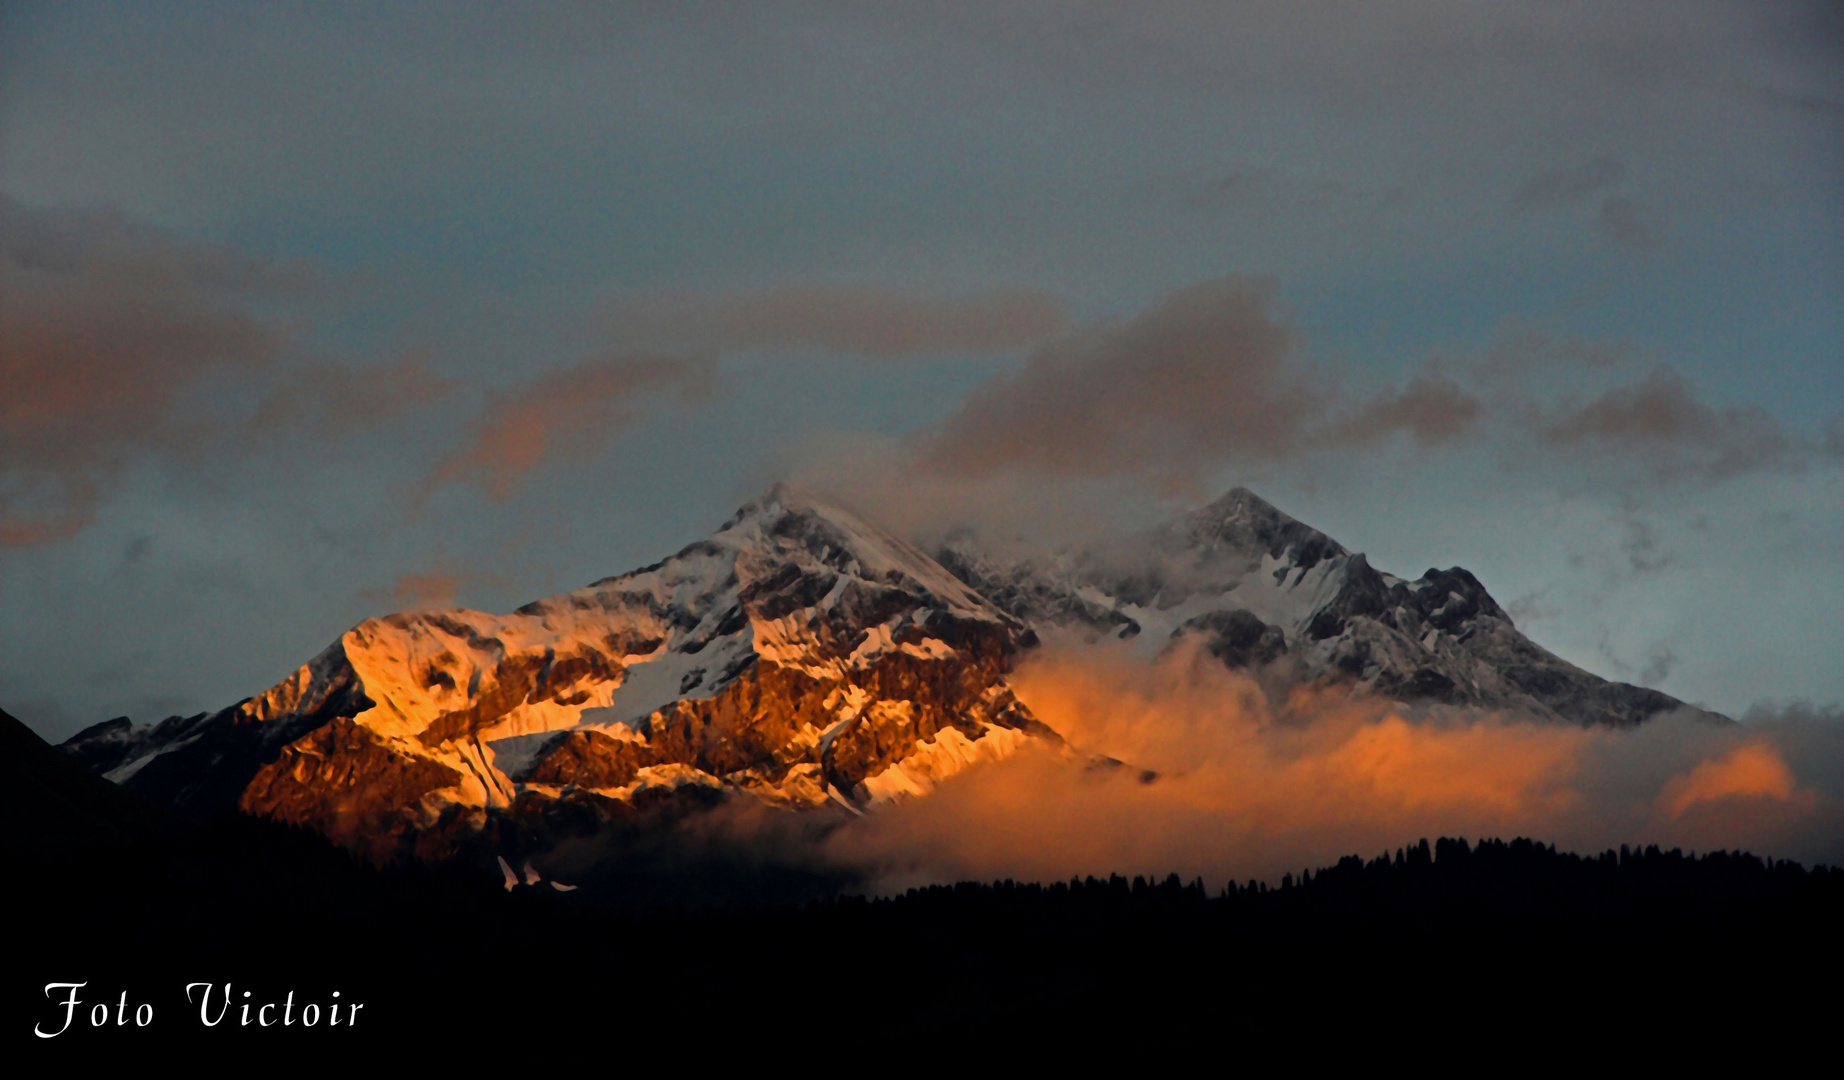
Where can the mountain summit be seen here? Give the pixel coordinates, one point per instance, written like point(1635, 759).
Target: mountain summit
point(799, 655)
point(805, 657)
point(1259, 589)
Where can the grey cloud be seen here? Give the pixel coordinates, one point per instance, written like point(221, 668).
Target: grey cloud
point(120, 344)
point(1432, 409)
point(1661, 419)
point(1201, 375)
point(1815, 105)
point(853, 320)
point(1644, 553)
point(1209, 374)
point(1264, 188)
point(103, 325)
point(136, 551)
point(1606, 649)
point(1813, 733)
point(1522, 352)
point(572, 412)
point(1569, 185)
point(1659, 664)
point(1530, 608)
point(590, 79)
point(1212, 375)
point(331, 399)
point(90, 242)
point(1630, 225)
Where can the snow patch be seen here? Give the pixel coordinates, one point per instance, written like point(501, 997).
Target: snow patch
point(670, 777)
point(948, 753)
point(515, 753)
point(671, 675)
point(121, 773)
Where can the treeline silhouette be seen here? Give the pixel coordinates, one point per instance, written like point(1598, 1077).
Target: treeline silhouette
point(1467, 930)
point(1475, 937)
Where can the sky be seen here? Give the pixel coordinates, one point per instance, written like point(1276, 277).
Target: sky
point(310, 313)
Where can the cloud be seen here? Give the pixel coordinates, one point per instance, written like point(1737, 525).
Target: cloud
point(1641, 546)
point(104, 324)
point(1209, 374)
point(1559, 187)
point(417, 591)
point(1252, 786)
point(877, 476)
point(433, 591)
point(575, 411)
point(852, 320)
point(1752, 771)
point(1432, 409)
point(1521, 348)
point(1817, 106)
point(1620, 220)
point(1530, 608)
point(1201, 374)
point(1212, 376)
point(1654, 425)
point(435, 586)
point(1661, 419)
point(332, 399)
point(1832, 441)
point(1263, 190)
point(1658, 665)
point(120, 344)
point(1631, 226)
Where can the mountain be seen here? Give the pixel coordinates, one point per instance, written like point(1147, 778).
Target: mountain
point(806, 658)
point(53, 805)
point(1260, 590)
point(800, 655)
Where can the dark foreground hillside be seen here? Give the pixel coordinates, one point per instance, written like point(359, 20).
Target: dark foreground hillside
point(1450, 941)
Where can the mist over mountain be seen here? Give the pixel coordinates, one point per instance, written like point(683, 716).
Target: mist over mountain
point(1264, 592)
point(804, 658)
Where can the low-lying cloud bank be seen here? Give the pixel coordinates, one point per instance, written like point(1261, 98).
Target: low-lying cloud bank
point(1254, 787)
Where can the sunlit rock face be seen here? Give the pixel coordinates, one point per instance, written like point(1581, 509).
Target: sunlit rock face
point(800, 656)
point(1261, 591)
point(805, 658)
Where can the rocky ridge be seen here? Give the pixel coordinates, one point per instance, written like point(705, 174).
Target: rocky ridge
point(1261, 591)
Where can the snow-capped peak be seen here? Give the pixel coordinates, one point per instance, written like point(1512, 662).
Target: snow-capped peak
point(798, 653)
point(805, 656)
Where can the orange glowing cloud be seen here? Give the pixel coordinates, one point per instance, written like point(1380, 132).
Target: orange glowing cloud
point(1253, 783)
point(1502, 770)
point(1750, 770)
